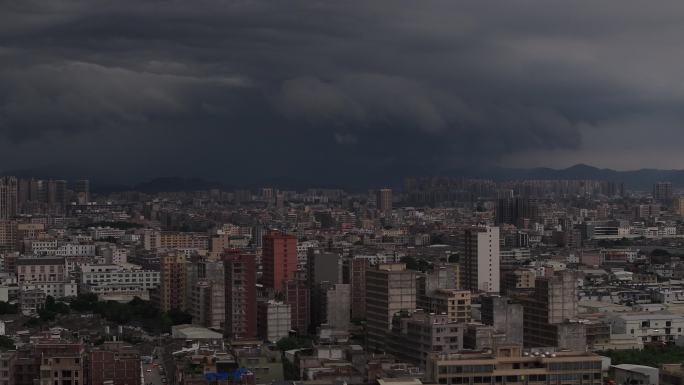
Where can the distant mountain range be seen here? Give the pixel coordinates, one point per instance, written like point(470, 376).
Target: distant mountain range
point(635, 180)
point(178, 184)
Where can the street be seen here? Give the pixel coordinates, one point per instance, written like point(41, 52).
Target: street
point(153, 377)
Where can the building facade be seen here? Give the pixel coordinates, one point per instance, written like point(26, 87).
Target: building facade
point(509, 364)
point(241, 301)
point(390, 288)
point(481, 260)
point(279, 259)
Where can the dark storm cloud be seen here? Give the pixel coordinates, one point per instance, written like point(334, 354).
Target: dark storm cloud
point(322, 90)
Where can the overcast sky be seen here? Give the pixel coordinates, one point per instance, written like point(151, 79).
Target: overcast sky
point(337, 90)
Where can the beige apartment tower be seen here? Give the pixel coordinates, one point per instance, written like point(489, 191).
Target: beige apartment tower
point(481, 260)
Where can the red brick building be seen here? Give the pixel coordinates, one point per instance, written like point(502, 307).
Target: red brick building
point(279, 259)
point(298, 296)
point(116, 363)
point(240, 295)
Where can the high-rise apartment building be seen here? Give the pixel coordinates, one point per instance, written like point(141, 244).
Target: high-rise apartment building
point(273, 321)
point(662, 192)
point(279, 259)
point(241, 301)
point(504, 315)
point(679, 205)
point(173, 280)
point(8, 235)
point(383, 199)
point(513, 210)
point(338, 306)
point(549, 312)
point(323, 266)
point(481, 259)
point(298, 296)
point(354, 273)
point(82, 191)
point(206, 292)
point(390, 288)
point(323, 273)
point(56, 195)
point(8, 197)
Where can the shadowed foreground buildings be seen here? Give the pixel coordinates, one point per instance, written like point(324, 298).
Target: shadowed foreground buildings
point(49, 362)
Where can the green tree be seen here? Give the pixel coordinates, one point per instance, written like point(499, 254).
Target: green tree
point(84, 302)
point(7, 308)
point(6, 343)
point(289, 343)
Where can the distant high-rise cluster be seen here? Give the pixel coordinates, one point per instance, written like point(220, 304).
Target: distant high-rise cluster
point(662, 192)
point(383, 199)
point(38, 196)
point(431, 190)
point(8, 197)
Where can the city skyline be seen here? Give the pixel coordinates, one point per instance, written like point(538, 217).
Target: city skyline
point(316, 192)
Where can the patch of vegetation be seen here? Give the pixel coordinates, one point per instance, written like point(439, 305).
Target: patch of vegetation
point(289, 343)
point(52, 308)
point(6, 343)
point(7, 308)
point(137, 311)
point(649, 356)
point(417, 264)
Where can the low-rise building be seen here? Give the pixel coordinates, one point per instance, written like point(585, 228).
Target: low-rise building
point(649, 327)
point(128, 274)
point(636, 374)
point(509, 364)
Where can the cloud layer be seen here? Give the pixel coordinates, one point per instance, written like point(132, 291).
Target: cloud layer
point(356, 91)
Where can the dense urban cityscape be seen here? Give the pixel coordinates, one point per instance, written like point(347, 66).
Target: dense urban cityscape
point(321, 192)
point(446, 281)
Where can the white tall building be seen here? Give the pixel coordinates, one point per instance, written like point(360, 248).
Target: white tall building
point(274, 320)
point(129, 274)
point(481, 259)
